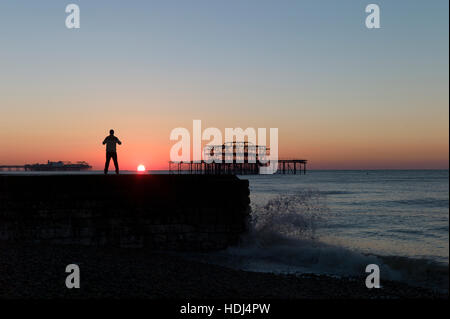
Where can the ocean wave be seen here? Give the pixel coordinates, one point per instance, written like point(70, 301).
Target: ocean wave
point(283, 238)
point(291, 216)
point(419, 271)
point(283, 233)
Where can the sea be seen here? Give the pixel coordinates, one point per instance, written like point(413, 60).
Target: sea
point(337, 222)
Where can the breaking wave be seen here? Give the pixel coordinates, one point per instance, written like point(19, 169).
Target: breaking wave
point(283, 238)
point(287, 217)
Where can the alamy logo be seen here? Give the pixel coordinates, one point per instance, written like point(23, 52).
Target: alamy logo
point(73, 280)
point(373, 19)
point(373, 280)
point(240, 146)
point(73, 19)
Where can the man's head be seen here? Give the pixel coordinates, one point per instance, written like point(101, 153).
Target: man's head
point(111, 132)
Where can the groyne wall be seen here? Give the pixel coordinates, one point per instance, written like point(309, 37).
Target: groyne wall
point(162, 212)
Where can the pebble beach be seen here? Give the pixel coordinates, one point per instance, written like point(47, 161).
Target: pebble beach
point(38, 272)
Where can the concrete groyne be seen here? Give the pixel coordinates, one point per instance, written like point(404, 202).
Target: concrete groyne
point(154, 211)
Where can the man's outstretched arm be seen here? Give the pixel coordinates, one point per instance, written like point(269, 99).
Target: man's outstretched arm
point(104, 141)
point(119, 142)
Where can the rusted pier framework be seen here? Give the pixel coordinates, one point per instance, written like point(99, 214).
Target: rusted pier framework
point(237, 158)
point(203, 168)
point(292, 166)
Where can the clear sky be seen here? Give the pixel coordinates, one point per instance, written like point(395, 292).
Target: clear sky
point(341, 95)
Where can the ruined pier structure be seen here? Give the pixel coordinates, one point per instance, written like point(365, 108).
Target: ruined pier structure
point(236, 158)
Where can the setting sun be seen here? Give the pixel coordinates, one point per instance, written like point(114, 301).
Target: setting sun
point(141, 168)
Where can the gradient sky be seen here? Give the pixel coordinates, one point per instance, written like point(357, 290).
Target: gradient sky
point(342, 96)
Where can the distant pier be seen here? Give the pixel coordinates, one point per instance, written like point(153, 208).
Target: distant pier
point(13, 168)
point(49, 166)
point(236, 158)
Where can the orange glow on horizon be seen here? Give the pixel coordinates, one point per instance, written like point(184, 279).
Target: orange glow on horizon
point(145, 140)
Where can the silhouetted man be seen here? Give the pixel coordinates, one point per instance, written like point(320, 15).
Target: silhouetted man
point(111, 142)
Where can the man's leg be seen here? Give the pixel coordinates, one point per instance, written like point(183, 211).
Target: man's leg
point(116, 164)
point(108, 159)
